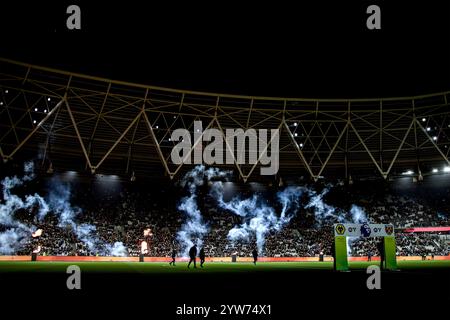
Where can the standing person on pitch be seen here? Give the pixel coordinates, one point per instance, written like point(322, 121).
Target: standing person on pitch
point(255, 256)
point(201, 255)
point(192, 255)
point(174, 254)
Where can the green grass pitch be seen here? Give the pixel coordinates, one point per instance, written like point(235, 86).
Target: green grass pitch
point(213, 267)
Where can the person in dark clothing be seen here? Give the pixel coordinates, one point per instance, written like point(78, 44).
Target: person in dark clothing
point(174, 254)
point(381, 251)
point(192, 255)
point(255, 256)
point(369, 256)
point(201, 255)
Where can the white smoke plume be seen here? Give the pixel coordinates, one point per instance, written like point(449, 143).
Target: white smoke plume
point(327, 213)
point(194, 228)
point(11, 240)
point(357, 216)
point(322, 211)
point(59, 201)
point(17, 233)
point(118, 249)
point(258, 218)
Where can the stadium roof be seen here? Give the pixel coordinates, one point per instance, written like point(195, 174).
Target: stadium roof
point(81, 122)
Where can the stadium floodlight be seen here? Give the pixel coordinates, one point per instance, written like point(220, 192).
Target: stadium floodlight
point(6, 91)
point(35, 109)
point(295, 134)
point(34, 121)
point(423, 119)
point(446, 169)
point(435, 170)
point(1, 103)
point(428, 129)
point(49, 99)
point(157, 127)
point(434, 138)
point(45, 111)
point(295, 124)
point(408, 172)
point(301, 145)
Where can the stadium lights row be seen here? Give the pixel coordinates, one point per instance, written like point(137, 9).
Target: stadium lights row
point(435, 170)
point(7, 91)
point(296, 135)
point(428, 129)
point(157, 127)
point(434, 137)
point(37, 109)
point(445, 169)
point(423, 120)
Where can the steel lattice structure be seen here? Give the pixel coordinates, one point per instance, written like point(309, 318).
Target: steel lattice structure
point(80, 122)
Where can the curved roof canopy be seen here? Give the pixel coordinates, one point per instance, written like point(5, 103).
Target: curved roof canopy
point(80, 122)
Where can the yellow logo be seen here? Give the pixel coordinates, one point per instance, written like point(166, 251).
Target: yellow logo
point(340, 229)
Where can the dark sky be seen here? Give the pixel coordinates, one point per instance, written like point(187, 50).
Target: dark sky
point(273, 49)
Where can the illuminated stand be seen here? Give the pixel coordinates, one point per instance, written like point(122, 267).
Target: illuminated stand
point(344, 230)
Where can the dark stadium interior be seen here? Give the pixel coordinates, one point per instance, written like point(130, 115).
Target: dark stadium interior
point(317, 49)
point(86, 120)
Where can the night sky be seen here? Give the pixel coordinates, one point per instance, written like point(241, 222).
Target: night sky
point(322, 50)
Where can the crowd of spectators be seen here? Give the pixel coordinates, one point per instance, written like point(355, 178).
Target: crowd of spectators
point(123, 215)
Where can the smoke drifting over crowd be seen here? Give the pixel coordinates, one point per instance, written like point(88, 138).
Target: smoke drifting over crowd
point(58, 203)
point(258, 217)
point(17, 233)
point(194, 228)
